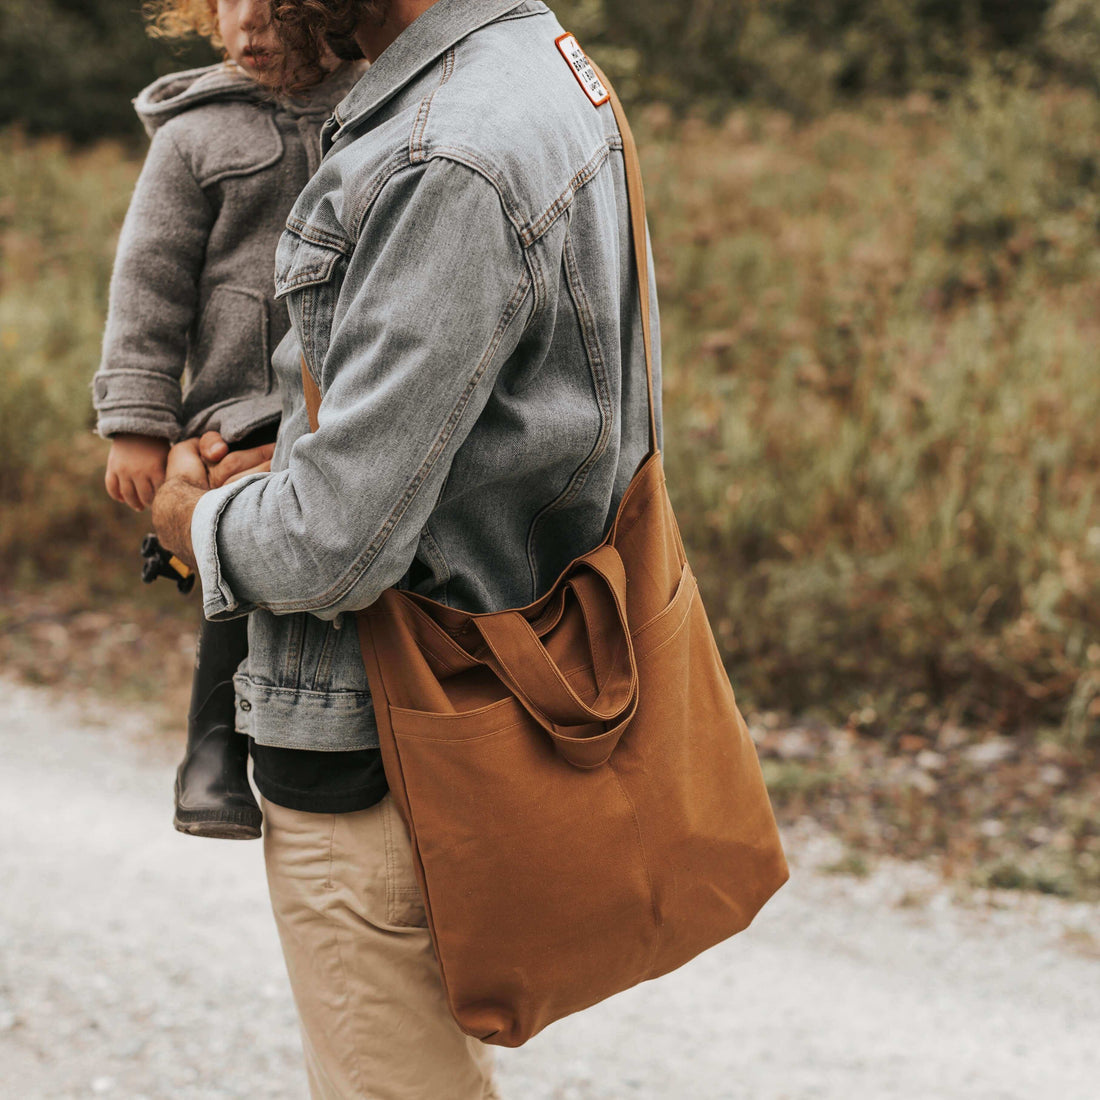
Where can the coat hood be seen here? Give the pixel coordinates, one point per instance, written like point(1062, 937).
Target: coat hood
point(175, 93)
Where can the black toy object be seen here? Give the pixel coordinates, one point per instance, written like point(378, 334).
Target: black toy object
point(158, 562)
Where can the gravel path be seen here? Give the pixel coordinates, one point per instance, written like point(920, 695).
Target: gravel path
point(137, 963)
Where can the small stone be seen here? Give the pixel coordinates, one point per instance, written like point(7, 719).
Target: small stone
point(991, 828)
point(8, 1021)
point(922, 782)
point(102, 1085)
point(1052, 775)
point(930, 761)
point(987, 753)
point(795, 745)
point(951, 736)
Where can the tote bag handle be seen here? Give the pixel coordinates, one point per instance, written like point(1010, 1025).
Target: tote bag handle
point(584, 732)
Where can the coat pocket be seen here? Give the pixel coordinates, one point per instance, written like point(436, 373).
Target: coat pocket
point(230, 358)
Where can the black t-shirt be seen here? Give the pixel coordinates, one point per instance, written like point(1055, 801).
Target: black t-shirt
point(319, 782)
point(304, 779)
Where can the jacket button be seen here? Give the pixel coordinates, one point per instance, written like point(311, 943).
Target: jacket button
point(246, 705)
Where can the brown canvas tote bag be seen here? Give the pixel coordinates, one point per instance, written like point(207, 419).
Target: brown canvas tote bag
point(585, 803)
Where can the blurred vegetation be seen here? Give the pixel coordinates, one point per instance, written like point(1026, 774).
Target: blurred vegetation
point(809, 58)
point(876, 230)
point(60, 212)
point(880, 333)
point(72, 66)
point(881, 337)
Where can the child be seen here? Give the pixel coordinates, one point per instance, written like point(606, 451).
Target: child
point(192, 302)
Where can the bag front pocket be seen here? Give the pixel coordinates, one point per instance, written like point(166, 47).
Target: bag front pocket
point(567, 834)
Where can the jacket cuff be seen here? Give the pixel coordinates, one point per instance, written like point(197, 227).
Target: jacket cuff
point(138, 423)
point(144, 402)
point(219, 601)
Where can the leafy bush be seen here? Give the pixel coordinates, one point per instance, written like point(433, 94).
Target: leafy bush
point(1018, 194)
point(59, 216)
point(73, 67)
point(880, 395)
point(807, 57)
point(889, 485)
point(1070, 41)
point(70, 67)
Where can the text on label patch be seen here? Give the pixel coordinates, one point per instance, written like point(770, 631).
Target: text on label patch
point(582, 69)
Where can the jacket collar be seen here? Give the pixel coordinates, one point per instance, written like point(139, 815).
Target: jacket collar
point(443, 25)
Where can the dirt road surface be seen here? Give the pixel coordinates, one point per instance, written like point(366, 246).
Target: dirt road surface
point(139, 964)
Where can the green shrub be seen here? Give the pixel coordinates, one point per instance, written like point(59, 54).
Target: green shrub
point(1018, 195)
point(889, 489)
point(807, 57)
point(1070, 41)
point(59, 216)
point(72, 68)
point(880, 395)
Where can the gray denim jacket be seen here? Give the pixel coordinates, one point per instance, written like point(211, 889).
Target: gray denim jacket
point(460, 279)
point(191, 295)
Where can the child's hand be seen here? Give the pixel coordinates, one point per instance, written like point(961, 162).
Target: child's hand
point(135, 469)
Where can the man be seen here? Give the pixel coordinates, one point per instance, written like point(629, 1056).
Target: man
point(460, 282)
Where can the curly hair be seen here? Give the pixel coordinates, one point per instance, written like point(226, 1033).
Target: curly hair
point(183, 18)
point(309, 29)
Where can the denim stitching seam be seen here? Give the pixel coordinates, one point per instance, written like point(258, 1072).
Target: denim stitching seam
point(420, 125)
point(598, 372)
point(363, 562)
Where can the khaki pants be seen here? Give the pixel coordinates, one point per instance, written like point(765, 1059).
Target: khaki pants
point(375, 1023)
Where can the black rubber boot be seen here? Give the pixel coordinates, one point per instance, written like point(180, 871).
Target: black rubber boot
point(213, 796)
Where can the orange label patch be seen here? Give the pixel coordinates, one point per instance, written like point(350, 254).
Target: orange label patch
point(586, 76)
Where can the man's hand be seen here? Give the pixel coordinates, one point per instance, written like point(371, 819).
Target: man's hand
point(194, 467)
point(185, 462)
point(184, 485)
point(224, 466)
point(172, 510)
point(135, 469)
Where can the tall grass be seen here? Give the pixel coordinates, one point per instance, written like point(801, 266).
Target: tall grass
point(59, 216)
point(881, 395)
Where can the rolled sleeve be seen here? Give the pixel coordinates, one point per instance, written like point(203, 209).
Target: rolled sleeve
point(434, 300)
point(219, 601)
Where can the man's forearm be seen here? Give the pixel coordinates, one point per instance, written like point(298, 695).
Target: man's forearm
point(172, 510)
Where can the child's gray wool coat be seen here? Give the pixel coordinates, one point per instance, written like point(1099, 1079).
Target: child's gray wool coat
point(192, 316)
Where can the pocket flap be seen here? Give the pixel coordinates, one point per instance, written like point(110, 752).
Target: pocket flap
point(249, 145)
point(300, 262)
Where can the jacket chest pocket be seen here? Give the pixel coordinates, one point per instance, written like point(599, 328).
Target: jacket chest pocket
point(309, 275)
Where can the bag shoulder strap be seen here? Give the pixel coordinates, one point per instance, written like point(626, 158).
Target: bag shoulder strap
point(635, 191)
point(636, 201)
